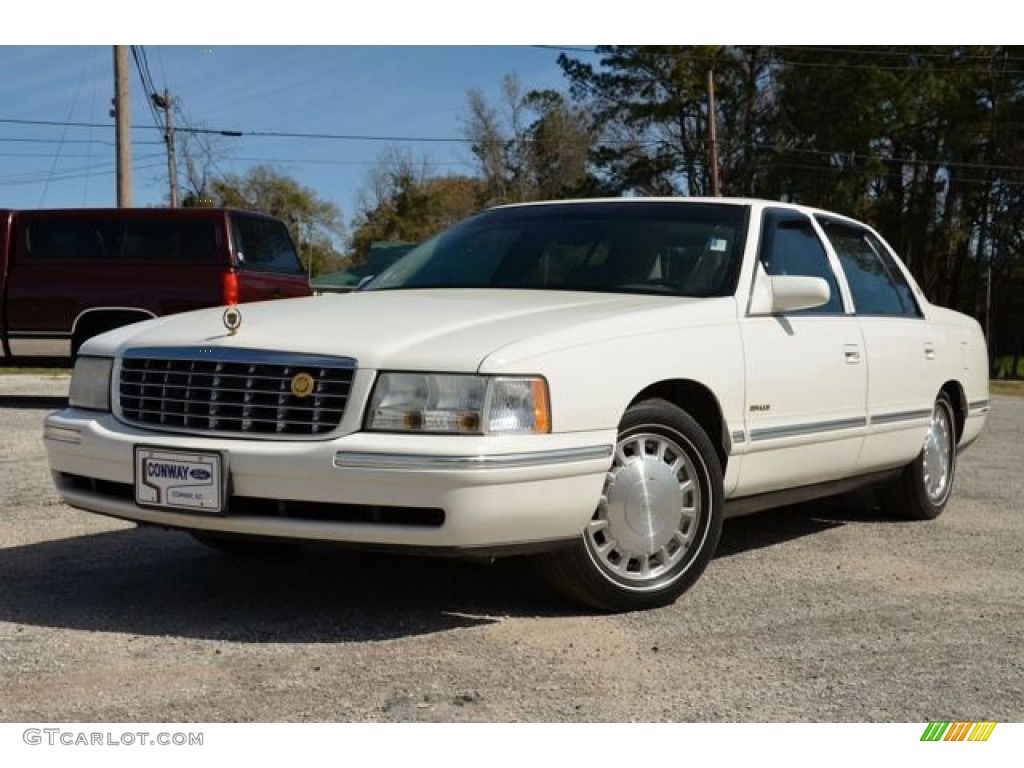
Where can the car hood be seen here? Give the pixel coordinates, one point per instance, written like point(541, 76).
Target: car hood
point(440, 329)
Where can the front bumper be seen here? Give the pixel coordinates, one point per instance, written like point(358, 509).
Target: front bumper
point(484, 492)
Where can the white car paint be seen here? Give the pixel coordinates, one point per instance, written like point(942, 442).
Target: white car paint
point(802, 399)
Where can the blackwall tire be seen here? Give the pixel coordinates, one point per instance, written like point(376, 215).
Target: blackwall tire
point(924, 487)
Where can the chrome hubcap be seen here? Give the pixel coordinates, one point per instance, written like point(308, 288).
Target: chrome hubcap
point(938, 455)
point(647, 519)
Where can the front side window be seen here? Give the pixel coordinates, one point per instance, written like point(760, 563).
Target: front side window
point(680, 249)
point(876, 282)
point(264, 245)
point(790, 246)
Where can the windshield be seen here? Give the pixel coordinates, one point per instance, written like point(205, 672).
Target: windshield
point(674, 248)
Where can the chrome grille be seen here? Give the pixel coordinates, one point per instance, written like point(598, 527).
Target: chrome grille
point(233, 391)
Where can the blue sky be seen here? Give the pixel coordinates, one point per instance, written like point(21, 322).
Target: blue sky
point(403, 91)
point(329, 84)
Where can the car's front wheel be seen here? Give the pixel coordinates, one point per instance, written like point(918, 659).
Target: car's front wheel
point(924, 487)
point(659, 519)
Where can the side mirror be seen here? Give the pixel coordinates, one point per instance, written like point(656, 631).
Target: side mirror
point(778, 294)
point(793, 292)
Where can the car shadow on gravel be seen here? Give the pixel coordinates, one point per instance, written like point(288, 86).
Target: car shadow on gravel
point(777, 526)
point(151, 582)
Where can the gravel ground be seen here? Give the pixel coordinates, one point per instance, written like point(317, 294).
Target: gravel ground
point(822, 612)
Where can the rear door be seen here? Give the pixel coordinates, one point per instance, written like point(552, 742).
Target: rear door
point(904, 372)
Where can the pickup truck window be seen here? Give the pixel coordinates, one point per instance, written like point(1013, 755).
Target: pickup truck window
point(263, 245)
point(135, 240)
point(73, 238)
point(176, 241)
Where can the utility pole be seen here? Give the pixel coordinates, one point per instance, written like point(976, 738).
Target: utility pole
point(122, 127)
point(163, 101)
point(712, 140)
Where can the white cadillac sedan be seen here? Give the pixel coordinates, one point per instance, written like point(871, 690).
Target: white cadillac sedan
point(595, 383)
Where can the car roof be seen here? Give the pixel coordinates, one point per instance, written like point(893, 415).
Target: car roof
point(751, 202)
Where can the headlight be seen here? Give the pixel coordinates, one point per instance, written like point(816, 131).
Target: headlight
point(472, 405)
point(90, 383)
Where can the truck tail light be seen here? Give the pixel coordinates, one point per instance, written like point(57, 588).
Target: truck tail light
point(230, 288)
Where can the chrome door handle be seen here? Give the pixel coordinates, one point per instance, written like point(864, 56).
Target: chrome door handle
point(929, 351)
point(852, 352)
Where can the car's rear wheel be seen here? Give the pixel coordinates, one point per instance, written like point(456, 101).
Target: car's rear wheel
point(923, 489)
point(659, 519)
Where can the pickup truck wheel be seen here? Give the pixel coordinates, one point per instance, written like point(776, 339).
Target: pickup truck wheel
point(924, 487)
point(659, 519)
point(248, 548)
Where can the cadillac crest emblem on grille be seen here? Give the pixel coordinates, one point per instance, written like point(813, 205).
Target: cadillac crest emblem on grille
point(232, 320)
point(302, 385)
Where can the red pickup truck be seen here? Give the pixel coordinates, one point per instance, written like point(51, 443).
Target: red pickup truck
point(67, 275)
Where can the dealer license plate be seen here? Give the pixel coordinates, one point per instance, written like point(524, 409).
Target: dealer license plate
point(192, 481)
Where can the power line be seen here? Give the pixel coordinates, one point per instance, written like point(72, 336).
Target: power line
point(767, 165)
point(142, 67)
point(451, 140)
point(71, 176)
point(60, 145)
point(688, 56)
point(909, 51)
point(240, 134)
point(70, 141)
point(464, 164)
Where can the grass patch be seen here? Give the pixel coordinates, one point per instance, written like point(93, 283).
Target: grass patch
point(1004, 367)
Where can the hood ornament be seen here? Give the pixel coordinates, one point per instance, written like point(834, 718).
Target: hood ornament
point(232, 319)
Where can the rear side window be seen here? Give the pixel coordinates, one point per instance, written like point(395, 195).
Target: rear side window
point(177, 241)
point(876, 282)
point(73, 239)
point(264, 245)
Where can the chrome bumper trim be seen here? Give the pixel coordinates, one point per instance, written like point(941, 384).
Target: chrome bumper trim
point(405, 461)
